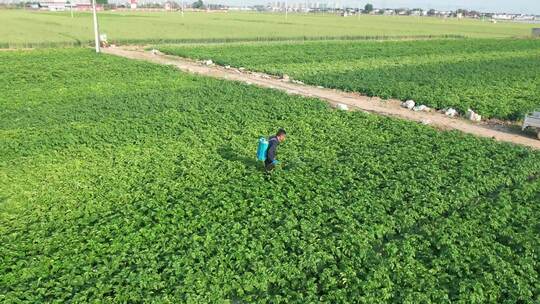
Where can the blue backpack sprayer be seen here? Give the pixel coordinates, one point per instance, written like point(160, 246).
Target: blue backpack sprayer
point(262, 148)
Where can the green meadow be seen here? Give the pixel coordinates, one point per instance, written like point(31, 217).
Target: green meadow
point(19, 28)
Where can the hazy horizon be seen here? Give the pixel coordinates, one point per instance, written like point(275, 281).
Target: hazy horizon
point(498, 6)
point(495, 6)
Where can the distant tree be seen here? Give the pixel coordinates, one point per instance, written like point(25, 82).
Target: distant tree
point(368, 8)
point(474, 14)
point(401, 11)
point(416, 10)
point(431, 12)
point(259, 8)
point(198, 4)
point(102, 2)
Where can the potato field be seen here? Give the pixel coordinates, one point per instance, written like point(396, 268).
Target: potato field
point(128, 182)
point(496, 78)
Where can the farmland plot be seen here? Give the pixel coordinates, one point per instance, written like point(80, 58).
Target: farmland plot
point(497, 78)
point(123, 181)
point(30, 28)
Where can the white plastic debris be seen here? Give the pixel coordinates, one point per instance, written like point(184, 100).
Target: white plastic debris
point(241, 69)
point(450, 112)
point(472, 116)
point(208, 62)
point(342, 107)
point(320, 87)
point(421, 108)
point(409, 104)
point(227, 66)
point(154, 52)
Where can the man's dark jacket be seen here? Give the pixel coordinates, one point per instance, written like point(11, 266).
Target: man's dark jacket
point(273, 142)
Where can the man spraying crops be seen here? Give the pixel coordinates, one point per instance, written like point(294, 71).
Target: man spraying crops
point(270, 152)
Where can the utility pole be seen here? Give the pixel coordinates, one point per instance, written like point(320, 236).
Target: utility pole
point(182, 8)
point(286, 8)
point(96, 29)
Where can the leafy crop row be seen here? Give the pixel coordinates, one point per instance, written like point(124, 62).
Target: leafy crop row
point(122, 181)
point(497, 78)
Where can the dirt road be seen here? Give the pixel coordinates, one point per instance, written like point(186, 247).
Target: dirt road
point(334, 97)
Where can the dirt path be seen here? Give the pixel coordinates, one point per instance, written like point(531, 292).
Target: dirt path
point(334, 97)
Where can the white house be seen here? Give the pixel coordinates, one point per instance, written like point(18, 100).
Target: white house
point(503, 16)
point(53, 6)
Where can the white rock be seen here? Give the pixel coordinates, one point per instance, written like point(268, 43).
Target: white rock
point(285, 77)
point(227, 66)
point(241, 69)
point(421, 108)
point(409, 104)
point(425, 121)
point(320, 87)
point(342, 107)
point(208, 62)
point(297, 82)
point(450, 112)
point(472, 116)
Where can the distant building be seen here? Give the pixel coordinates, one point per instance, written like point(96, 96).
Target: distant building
point(525, 18)
point(445, 14)
point(60, 6)
point(402, 11)
point(133, 4)
point(53, 6)
point(85, 6)
point(503, 16)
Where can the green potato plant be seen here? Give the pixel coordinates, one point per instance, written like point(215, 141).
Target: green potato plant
point(497, 78)
point(127, 182)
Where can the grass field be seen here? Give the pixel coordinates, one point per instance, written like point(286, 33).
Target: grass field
point(122, 181)
point(20, 28)
point(494, 77)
